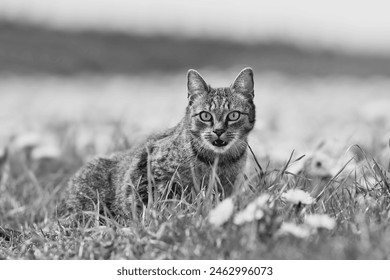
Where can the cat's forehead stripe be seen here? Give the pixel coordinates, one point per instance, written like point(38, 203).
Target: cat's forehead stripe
point(214, 105)
point(221, 100)
point(226, 104)
point(218, 103)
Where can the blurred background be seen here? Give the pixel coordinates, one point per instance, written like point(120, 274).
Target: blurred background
point(84, 70)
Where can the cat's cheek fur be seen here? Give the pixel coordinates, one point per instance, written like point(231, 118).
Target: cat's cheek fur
point(197, 126)
point(242, 126)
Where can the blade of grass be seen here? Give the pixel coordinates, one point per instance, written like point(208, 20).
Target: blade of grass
point(257, 162)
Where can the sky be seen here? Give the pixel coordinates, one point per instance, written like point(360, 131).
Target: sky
point(342, 24)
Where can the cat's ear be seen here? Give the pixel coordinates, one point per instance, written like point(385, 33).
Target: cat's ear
point(244, 82)
point(196, 84)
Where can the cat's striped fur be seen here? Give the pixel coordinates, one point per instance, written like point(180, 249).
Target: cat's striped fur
point(213, 132)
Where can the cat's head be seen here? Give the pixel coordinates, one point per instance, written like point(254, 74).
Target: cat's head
point(221, 118)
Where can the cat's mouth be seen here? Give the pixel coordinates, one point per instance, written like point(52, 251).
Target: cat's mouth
point(219, 143)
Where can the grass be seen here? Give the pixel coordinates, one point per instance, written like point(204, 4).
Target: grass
point(34, 227)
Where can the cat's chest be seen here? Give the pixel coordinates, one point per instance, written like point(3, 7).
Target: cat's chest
point(168, 159)
point(226, 174)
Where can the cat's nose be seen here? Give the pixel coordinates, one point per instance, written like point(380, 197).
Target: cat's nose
point(219, 131)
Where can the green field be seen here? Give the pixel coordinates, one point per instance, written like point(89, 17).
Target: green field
point(66, 97)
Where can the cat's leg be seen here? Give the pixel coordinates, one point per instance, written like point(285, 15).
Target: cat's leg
point(91, 187)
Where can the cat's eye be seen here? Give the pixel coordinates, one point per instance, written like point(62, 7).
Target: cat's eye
point(205, 116)
point(233, 116)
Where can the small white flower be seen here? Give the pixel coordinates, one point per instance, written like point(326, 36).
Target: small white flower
point(294, 229)
point(262, 200)
point(253, 211)
point(46, 152)
point(297, 196)
point(222, 213)
point(320, 221)
point(319, 165)
point(27, 140)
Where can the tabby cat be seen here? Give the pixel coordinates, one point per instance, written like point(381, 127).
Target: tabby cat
point(211, 136)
